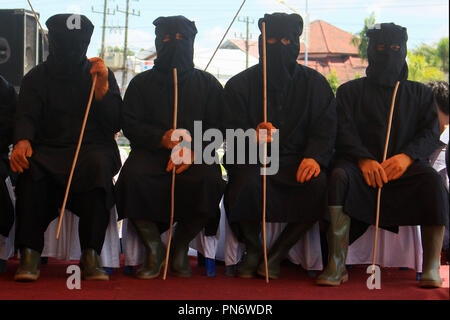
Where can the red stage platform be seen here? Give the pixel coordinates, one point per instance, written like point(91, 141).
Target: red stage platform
point(294, 284)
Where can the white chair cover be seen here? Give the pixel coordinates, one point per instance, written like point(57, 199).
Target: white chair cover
point(306, 252)
point(134, 250)
point(132, 246)
point(7, 244)
point(393, 250)
point(208, 246)
point(68, 245)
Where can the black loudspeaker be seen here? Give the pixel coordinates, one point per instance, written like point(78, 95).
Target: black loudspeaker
point(43, 46)
point(19, 44)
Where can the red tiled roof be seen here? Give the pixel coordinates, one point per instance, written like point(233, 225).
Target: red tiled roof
point(324, 38)
point(328, 39)
point(346, 67)
point(240, 44)
point(330, 48)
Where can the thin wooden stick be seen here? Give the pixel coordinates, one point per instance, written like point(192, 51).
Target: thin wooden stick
point(386, 145)
point(225, 34)
point(172, 192)
point(61, 214)
point(265, 151)
point(37, 19)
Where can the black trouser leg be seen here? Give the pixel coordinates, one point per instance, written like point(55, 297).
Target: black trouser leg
point(253, 248)
point(94, 218)
point(338, 187)
point(185, 231)
point(280, 249)
point(35, 209)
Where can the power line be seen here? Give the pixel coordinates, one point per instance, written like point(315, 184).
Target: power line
point(106, 11)
point(247, 37)
point(125, 47)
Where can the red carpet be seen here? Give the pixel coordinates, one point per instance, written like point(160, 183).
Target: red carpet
point(294, 284)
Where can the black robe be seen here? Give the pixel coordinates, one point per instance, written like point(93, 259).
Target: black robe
point(8, 102)
point(50, 114)
point(419, 196)
point(306, 119)
point(143, 187)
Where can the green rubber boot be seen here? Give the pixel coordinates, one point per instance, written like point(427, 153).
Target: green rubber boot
point(183, 235)
point(90, 266)
point(432, 237)
point(338, 236)
point(290, 235)
point(155, 251)
point(29, 267)
point(253, 247)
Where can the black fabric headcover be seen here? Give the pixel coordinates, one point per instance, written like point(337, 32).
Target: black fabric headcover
point(174, 53)
point(281, 58)
point(386, 53)
point(69, 36)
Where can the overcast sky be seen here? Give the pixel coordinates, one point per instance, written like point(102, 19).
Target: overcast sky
point(426, 20)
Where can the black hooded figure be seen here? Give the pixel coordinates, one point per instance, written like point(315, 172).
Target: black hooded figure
point(50, 112)
point(412, 191)
point(143, 187)
point(8, 101)
point(301, 108)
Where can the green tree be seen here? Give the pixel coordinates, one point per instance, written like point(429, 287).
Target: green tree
point(428, 52)
point(360, 40)
point(435, 55)
point(333, 80)
point(442, 53)
point(420, 70)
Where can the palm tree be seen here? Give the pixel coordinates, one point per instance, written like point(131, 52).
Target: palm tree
point(360, 40)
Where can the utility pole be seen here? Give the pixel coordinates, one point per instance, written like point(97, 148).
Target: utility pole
point(306, 35)
point(105, 12)
point(125, 47)
point(247, 38)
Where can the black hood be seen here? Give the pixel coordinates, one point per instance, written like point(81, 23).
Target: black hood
point(388, 66)
point(174, 53)
point(69, 36)
point(281, 59)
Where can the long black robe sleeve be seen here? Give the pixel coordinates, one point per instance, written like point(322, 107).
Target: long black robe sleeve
point(323, 124)
point(8, 101)
point(214, 110)
point(107, 111)
point(236, 104)
point(426, 137)
point(348, 141)
point(29, 109)
point(140, 133)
